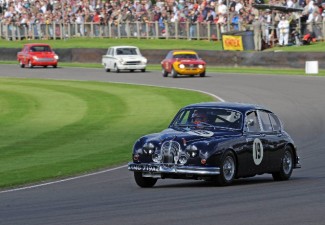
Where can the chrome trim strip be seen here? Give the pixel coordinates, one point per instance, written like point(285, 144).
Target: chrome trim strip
point(177, 169)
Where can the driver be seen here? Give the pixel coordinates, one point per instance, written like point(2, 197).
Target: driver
point(199, 117)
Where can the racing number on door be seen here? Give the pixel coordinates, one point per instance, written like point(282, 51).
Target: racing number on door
point(257, 151)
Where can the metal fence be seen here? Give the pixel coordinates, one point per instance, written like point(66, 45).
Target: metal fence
point(139, 30)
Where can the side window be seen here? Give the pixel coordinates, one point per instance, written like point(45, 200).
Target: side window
point(276, 124)
point(108, 51)
point(169, 55)
point(252, 122)
point(265, 120)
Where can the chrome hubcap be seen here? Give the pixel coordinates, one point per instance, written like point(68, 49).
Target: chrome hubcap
point(229, 168)
point(287, 162)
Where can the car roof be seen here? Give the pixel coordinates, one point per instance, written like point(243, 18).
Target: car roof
point(183, 52)
point(37, 44)
point(242, 107)
point(124, 46)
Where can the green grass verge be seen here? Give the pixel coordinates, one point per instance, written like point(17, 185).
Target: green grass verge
point(51, 129)
point(150, 44)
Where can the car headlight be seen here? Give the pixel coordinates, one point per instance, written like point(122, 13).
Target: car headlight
point(56, 57)
point(192, 151)
point(182, 66)
point(35, 57)
point(201, 66)
point(182, 159)
point(144, 60)
point(156, 158)
point(148, 148)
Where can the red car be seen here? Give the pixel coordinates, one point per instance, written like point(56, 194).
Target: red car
point(183, 62)
point(37, 55)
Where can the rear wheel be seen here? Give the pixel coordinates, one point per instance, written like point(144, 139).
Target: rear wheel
point(164, 73)
point(106, 68)
point(143, 70)
point(227, 169)
point(55, 66)
point(144, 182)
point(286, 166)
point(21, 64)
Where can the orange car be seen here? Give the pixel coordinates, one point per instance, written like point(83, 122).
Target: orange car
point(37, 55)
point(183, 62)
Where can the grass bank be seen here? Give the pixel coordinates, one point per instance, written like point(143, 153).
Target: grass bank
point(51, 129)
point(150, 44)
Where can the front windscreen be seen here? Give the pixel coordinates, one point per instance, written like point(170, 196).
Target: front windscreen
point(126, 51)
point(208, 118)
point(185, 56)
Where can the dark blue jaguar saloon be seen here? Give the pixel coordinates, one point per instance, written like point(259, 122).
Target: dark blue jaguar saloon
point(218, 142)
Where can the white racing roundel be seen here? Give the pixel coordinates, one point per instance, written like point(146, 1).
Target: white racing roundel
point(257, 151)
point(202, 133)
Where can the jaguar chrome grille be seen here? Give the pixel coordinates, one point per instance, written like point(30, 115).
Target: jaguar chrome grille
point(170, 151)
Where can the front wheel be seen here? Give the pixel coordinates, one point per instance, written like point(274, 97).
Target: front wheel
point(286, 166)
point(174, 73)
point(227, 169)
point(143, 70)
point(30, 65)
point(144, 182)
point(202, 74)
point(116, 69)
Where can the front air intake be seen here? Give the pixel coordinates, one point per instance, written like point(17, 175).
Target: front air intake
point(170, 151)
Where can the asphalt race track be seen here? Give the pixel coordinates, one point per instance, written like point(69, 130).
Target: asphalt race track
point(112, 197)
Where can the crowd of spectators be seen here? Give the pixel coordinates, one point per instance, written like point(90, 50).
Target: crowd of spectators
point(221, 12)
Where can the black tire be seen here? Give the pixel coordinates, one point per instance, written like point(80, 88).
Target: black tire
point(45, 66)
point(144, 182)
point(286, 166)
point(106, 69)
point(30, 65)
point(116, 69)
point(228, 169)
point(21, 64)
point(143, 70)
point(132, 71)
point(202, 74)
point(174, 73)
point(164, 73)
point(55, 66)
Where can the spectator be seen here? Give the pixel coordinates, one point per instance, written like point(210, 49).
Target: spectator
point(283, 27)
point(257, 28)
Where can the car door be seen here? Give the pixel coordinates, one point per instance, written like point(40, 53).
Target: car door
point(278, 141)
point(253, 159)
point(271, 139)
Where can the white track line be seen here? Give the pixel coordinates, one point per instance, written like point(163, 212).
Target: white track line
point(63, 180)
point(103, 171)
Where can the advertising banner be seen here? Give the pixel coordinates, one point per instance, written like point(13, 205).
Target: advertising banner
point(232, 43)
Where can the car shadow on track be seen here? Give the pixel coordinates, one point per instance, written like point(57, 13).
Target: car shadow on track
point(239, 182)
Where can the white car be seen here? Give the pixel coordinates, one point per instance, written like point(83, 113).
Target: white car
point(124, 58)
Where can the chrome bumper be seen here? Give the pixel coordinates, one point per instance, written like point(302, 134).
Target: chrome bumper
point(172, 168)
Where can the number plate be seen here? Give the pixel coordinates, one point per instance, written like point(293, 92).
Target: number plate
point(141, 167)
